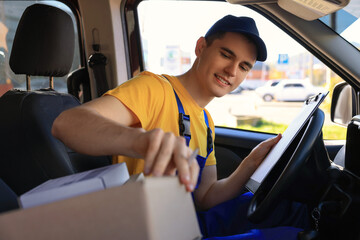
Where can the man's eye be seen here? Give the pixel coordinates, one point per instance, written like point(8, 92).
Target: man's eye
point(244, 68)
point(224, 55)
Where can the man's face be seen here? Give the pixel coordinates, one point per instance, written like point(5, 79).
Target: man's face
point(224, 64)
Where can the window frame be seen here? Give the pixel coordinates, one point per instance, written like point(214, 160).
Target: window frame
point(289, 27)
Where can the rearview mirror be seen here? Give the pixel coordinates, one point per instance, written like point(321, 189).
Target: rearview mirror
point(308, 10)
point(311, 10)
point(343, 105)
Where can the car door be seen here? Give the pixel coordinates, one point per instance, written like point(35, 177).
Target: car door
point(292, 92)
point(242, 120)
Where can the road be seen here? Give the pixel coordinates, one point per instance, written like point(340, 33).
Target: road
point(226, 109)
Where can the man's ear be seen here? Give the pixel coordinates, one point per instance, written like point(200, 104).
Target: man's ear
point(200, 45)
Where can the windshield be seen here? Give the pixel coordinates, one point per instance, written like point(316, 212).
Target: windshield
point(346, 22)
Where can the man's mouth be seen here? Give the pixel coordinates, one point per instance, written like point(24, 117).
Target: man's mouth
point(222, 80)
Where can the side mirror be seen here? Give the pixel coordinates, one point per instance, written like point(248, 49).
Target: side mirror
point(343, 104)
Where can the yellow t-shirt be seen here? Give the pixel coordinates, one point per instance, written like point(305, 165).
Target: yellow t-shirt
point(151, 98)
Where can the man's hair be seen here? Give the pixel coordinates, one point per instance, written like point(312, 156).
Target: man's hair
point(210, 39)
point(219, 35)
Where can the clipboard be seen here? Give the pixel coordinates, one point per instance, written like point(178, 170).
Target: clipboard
point(308, 109)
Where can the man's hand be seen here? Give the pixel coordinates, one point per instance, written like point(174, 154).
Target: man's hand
point(258, 154)
point(212, 192)
point(164, 153)
point(103, 127)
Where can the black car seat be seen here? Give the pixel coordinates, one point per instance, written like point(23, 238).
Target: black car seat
point(348, 155)
point(8, 199)
point(29, 154)
point(352, 150)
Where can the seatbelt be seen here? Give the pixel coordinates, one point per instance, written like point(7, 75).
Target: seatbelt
point(97, 63)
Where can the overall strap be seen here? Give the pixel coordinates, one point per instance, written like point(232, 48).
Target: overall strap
point(184, 125)
point(184, 121)
point(210, 147)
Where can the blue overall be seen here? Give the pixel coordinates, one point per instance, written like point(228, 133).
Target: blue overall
point(227, 221)
point(184, 130)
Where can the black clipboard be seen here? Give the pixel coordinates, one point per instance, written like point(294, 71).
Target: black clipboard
point(308, 109)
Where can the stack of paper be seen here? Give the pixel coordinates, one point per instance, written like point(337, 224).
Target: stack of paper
point(76, 184)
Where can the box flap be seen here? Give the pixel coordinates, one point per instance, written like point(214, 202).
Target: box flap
point(155, 208)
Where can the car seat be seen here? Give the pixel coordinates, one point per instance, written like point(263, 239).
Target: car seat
point(8, 199)
point(352, 151)
point(29, 154)
point(348, 155)
point(338, 207)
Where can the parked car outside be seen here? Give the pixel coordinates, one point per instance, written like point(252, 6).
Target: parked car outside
point(291, 90)
point(266, 92)
point(295, 90)
point(237, 90)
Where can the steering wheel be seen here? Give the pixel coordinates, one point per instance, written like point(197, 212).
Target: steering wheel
point(283, 174)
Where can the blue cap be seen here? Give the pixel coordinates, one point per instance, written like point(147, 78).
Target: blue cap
point(243, 25)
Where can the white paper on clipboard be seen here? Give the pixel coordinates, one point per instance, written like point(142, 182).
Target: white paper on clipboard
point(289, 134)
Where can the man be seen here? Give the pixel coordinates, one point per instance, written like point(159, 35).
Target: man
point(144, 117)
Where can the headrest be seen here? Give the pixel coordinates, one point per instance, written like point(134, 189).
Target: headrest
point(44, 42)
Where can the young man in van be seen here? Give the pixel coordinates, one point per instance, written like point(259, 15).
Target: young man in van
point(141, 121)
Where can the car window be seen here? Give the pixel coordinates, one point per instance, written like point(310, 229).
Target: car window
point(10, 14)
point(168, 42)
point(274, 84)
point(295, 85)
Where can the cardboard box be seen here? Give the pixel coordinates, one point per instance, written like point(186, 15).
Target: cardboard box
point(152, 208)
point(75, 184)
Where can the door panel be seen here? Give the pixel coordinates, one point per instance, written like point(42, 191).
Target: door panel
point(233, 145)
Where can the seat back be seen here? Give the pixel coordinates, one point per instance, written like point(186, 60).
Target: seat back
point(8, 199)
point(29, 154)
point(348, 155)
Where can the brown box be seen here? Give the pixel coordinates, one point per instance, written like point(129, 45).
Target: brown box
point(153, 208)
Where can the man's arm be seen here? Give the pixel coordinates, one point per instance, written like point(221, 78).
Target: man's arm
point(212, 192)
point(107, 127)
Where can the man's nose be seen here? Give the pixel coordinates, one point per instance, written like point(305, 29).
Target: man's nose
point(231, 69)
